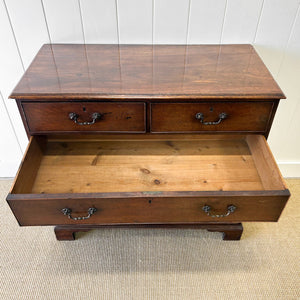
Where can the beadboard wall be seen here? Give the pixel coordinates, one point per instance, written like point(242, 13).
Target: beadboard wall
point(272, 26)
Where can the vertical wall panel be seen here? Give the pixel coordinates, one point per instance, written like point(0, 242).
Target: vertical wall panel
point(10, 153)
point(241, 21)
point(10, 72)
point(274, 29)
point(64, 21)
point(29, 26)
point(170, 21)
point(206, 21)
point(271, 24)
point(284, 138)
point(99, 21)
point(135, 21)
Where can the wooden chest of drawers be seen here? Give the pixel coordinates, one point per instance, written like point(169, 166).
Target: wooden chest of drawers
point(147, 136)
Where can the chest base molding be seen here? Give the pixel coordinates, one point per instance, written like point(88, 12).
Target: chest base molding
point(231, 232)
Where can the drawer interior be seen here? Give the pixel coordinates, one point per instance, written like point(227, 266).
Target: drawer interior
point(132, 164)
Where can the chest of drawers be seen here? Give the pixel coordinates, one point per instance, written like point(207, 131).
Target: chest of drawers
point(147, 136)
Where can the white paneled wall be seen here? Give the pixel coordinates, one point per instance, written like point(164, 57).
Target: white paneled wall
point(100, 22)
point(273, 26)
point(241, 21)
point(64, 21)
point(206, 21)
point(135, 21)
point(170, 21)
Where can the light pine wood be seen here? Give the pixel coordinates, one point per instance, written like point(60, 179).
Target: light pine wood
point(148, 174)
point(196, 165)
point(265, 163)
point(29, 166)
point(228, 163)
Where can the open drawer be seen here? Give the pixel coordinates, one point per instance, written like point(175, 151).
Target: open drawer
point(153, 179)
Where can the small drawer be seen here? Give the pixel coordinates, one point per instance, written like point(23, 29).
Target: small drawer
point(57, 117)
point(211, 117)
point(124, 180)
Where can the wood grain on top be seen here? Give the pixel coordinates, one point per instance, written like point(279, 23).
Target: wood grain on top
point(147, 71)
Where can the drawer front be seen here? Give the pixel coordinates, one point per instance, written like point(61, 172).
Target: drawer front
point(84, 116)
point(147, 210)
point(210, 117)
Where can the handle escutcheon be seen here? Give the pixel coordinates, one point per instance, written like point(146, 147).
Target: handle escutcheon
point(230, 209)
point(95, 116)
point(67, 212)
point(200, 116)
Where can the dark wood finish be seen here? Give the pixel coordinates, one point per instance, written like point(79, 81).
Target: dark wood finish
point(67, 233)
point(49, 117)
point(149, 210)
point(231, 232)
point(90, 137)
point(21, 111)
point(145, 71)
point(180, 117)
point(275, 106)
point(147, 179)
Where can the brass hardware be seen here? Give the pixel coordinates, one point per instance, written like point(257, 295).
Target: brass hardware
point(200, 116)
point(67, 212)
point(230, 209)
point(95, 116)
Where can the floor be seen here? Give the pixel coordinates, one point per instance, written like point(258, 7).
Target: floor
point(152, 263)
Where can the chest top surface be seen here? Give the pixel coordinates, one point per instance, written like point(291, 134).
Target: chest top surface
point(74, 71)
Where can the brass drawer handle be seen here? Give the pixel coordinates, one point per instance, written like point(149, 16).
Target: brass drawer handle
point(230, 209)
point(67, 212)
point(200, 116)
point(95, 116)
